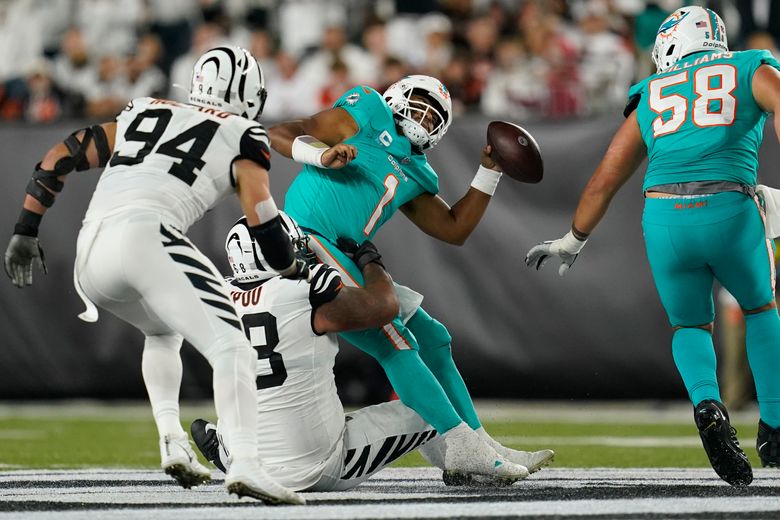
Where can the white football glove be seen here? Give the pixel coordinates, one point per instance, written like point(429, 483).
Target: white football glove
point(566, 248)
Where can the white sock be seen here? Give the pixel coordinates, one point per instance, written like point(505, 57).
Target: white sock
point(162, 373)
point(235, 396)
point(434, 450)
point(461, 427)
point(490, 441)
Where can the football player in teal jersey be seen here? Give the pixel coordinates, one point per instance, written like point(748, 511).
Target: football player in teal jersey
point(364, 159)
point(699, 121)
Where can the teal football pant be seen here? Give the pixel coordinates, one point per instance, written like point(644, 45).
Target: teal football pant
point(690, 243)
point(416, 356)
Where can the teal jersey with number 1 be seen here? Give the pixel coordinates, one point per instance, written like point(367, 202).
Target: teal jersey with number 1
point(356, 200)
point(700, 121)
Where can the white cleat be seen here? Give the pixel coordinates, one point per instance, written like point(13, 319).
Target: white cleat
point(466, 454)
point(180, 462)
point(247, 478)
point(533, 460)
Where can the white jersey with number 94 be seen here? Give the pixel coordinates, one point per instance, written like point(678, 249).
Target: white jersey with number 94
point(175, 160)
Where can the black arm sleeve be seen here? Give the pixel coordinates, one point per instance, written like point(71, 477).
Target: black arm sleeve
point(274, 243)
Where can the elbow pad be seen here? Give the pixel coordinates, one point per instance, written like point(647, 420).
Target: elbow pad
point(45, 183)
point(78, 150)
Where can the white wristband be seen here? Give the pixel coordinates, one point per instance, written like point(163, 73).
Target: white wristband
point(486, 180)
point(571, 244)
point(308, 150)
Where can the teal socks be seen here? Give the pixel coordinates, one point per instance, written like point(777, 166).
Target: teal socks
point(418, 389)
point(439, 361)
point(694, 355)
point(762, 339)
point(435, 351)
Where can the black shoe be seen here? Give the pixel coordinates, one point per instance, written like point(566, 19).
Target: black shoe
point(721, 444)
point(205, 436)
point(768, 445)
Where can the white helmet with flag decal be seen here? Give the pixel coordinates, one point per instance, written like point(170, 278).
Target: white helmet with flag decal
point(247, 260)
point(409, 113)
point(685, 31)
point(230, 79)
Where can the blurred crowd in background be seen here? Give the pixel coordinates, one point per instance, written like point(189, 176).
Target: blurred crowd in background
point(519, 59)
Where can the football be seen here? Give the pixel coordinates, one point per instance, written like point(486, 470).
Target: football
point(515, 151)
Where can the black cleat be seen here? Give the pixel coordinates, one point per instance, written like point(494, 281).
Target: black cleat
point(721, 444)
point(768, 445)
point(205, 436)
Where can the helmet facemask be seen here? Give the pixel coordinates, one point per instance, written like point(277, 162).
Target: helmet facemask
point(431, 102)
point(412, 116)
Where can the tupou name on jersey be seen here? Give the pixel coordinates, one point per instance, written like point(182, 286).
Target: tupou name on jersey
point(246, 298)
point(702, 59)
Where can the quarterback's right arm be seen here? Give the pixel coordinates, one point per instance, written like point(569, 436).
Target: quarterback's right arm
point(766, 91)
point(356, 308)
point(317, 140)
point(83, 149)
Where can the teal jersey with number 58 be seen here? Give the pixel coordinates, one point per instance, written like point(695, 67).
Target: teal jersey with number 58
point(700, 121)
point(356, 200)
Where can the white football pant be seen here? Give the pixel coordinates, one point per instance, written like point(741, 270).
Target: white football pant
point(372, 438)
point(150, 275)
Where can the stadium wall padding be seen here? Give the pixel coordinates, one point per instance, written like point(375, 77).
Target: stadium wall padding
point(598, 332)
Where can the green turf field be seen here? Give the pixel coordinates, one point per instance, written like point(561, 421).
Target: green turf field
point(124, 436)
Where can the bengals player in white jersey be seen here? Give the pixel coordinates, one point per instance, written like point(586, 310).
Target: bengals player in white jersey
point(304, 438)
point(166, 164)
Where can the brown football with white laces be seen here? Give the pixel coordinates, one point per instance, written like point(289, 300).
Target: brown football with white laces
point(515, 151)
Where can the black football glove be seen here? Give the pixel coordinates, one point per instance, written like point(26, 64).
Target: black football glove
point(362, 254)
point(22, 254)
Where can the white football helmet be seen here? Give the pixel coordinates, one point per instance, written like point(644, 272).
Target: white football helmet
point(687, 30)
point(230, 79)
point(245, 256)
point(398, 97)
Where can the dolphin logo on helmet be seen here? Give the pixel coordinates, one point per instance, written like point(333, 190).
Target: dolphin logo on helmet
point(685, 31)
point(671, 23)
